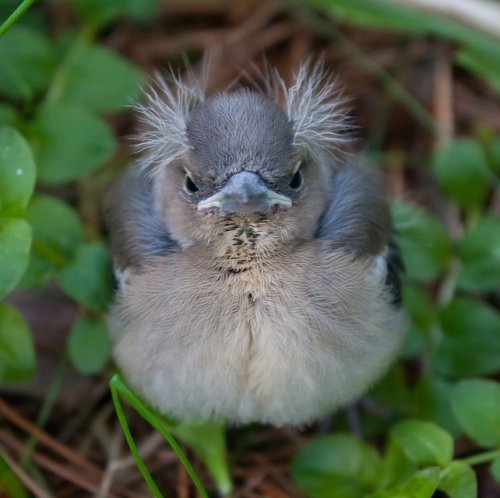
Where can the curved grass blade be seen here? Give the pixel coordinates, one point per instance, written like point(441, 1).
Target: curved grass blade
point(119, 388)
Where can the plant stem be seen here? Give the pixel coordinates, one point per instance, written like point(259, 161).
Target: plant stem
point(487, 456)
point(12, 19)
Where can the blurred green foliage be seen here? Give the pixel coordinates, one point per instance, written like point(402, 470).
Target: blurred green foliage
point(54, 95)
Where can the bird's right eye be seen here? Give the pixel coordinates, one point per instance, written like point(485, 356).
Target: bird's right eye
point(189, 186)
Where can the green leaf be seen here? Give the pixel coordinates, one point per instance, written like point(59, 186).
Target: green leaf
point(423, 241)
point(337, 465)
point(207, 439)
point(55, 224)
point(479, 253)
point(495, 470)
point(476, 405)
point(15, 241)
point(17, 171)
point(87, 278)
point(422, 484)
point(398, 468)
point(27, 62)
point(423, 443)
point(69, 143)
point(461, 170)
point(57, 232)
point(469, 345)
point(458, 480)
point(432, 402)
point(89, 348)
point(101, 80)
point(17, 357)
point(11, 485)
point(483, 64)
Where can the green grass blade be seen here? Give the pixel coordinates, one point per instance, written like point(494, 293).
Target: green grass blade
point(118, 386)
point(21, 9)
point(130, 441)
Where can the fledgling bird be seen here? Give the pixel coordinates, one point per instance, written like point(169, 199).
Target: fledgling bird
point(255, 273)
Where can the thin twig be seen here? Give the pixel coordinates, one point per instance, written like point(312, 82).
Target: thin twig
point(67, 453)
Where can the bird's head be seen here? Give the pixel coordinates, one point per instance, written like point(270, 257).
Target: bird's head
point(241, 161)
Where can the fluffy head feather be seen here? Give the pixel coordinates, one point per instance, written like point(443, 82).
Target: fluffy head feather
point(165, 113)
point(312, 104)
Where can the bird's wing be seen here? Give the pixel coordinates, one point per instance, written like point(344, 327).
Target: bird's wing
point(358, 221)
point(135, 231)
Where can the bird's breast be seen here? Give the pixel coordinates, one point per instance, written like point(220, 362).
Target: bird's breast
point(281, 342)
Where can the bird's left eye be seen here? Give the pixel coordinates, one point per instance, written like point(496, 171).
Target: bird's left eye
point(189, 186)
point(297, 179)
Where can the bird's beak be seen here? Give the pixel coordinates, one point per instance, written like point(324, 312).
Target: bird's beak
point(244, 193)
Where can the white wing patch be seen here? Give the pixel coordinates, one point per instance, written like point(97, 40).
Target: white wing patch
point(378, 271)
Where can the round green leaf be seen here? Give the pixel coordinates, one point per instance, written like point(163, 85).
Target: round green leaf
point(27, 61)
point(87, 278)
point(101, 80)
point(17, 171)
point(476, 405)
point(15, 241)
point(17, 357)
point(336, 465)
point(55, 224)
point(70, 142)
point(422, 484)
point(423, 241)
point(479, 253)
point(423, 443)
point(398, 468)
point(57, 232)
point(470, 343)
point(458, 480)
point(461, 170)
point(89, 348)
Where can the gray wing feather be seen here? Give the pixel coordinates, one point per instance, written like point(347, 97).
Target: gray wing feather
point(135, 231)
point(357, 219)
